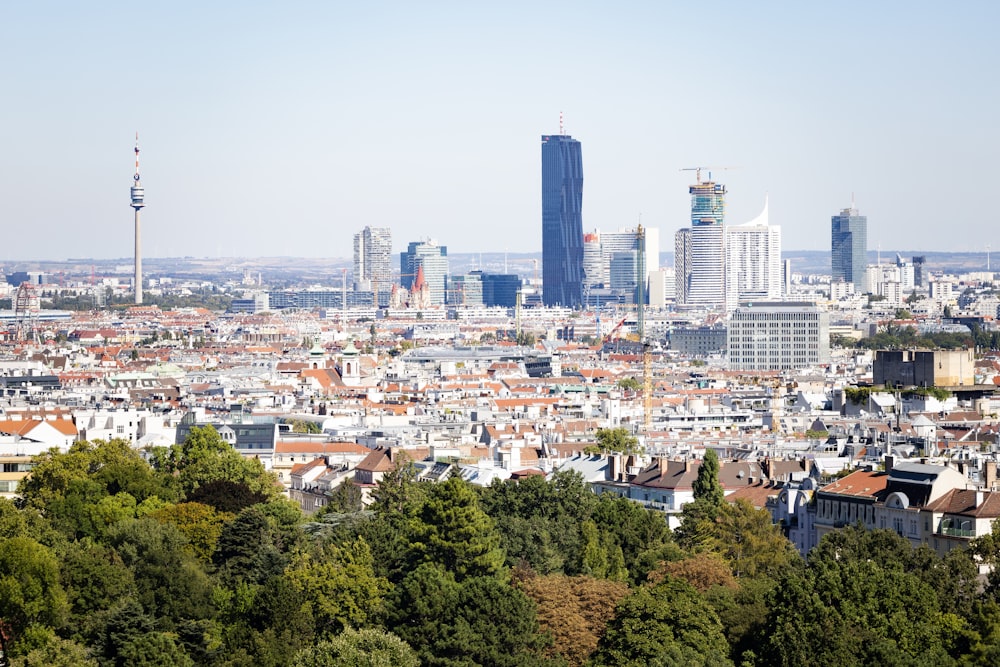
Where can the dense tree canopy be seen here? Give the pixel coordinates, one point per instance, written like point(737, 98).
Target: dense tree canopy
point(195, 559)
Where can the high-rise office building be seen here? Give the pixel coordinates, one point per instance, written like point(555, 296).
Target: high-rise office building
point(611, 263)
point(562, 221)
point(919, 272)
point(849, 247)
point(753, 261)
point(373, 259)
point(434, 260)
point(595, 270)
point(707, 282)
point(682, 264)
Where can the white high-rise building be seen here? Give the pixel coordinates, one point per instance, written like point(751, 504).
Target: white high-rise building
point(753, 261)
point(682, 264)
point(373, 259)
point(707, 278)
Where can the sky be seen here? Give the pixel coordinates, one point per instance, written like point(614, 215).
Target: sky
point(273, 128)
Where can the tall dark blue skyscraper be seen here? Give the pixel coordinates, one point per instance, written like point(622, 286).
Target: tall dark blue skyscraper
point(562, 221)
point(849, 247)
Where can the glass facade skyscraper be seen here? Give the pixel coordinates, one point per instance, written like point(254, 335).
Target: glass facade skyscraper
point(707, 281)
point(434, 260)
point(849, 248)
point(562, 221)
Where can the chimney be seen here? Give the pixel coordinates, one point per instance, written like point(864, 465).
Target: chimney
point(979, 497)
point(989, 475)
point(664, 465)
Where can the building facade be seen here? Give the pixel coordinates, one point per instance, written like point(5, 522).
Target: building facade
point(373, 259)
point(682, 264)
point(434, 260)
point(562, 221)
point(849, 248)
point(753, 261)
point(707, 282)
point(778, 336)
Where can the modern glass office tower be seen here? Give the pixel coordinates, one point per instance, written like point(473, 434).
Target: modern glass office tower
point(562, 221)
point(707, 282)
point(849, 247)
point(434, 260)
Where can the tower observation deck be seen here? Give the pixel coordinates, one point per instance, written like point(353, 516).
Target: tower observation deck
point(138, 194)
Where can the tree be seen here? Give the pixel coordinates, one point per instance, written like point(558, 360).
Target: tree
point(629, 384)
point(616, 440)
point(346, 497)
point(574, 610)
point(707, 487)
point(893, 617)
point(30, 591)
point(667, 624)
point(749, 542)
point(699, 516)
point(701, 571)
point(41, 647)
point(205, 457)
point(479, 621)
point(169, 581)
point(359, 648)
point(451, 530)
point(340, 585)
point(249, 549)
point(200, 524)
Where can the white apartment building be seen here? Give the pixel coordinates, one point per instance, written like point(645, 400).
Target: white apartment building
point(753, 261)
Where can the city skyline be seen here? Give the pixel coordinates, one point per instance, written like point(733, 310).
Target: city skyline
point(339, 117)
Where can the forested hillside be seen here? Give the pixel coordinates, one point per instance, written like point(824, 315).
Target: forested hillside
point(197, 559)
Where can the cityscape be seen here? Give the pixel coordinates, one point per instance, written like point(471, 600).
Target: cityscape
point(678, 410)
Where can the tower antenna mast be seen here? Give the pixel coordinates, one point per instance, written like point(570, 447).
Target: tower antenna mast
point(138, 194)
point(562, 129)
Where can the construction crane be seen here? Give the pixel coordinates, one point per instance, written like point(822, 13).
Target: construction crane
point(640, 305)
point(697, 171)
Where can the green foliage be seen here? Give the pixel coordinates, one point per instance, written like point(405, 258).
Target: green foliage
point(629, 384)
point(171, 584)
point(41, 647)
point(204, 457)
point(340, 585)
point(479, 621)
point(30, 591)
point(305, 426)
point(249, 549)
point(707, 488)
point(668, 624)
point(617, 440)
point(359, 648)
point(93, 485)
point(540, 520)
point(200, 524)
point(857, 395)
point(451, 530)
point(894, 337)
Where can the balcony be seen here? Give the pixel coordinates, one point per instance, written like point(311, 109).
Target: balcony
point(953, 531)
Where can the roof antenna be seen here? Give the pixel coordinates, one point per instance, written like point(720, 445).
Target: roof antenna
point(562, 130)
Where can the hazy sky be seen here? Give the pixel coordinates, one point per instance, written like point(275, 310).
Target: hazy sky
point(283, 128)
